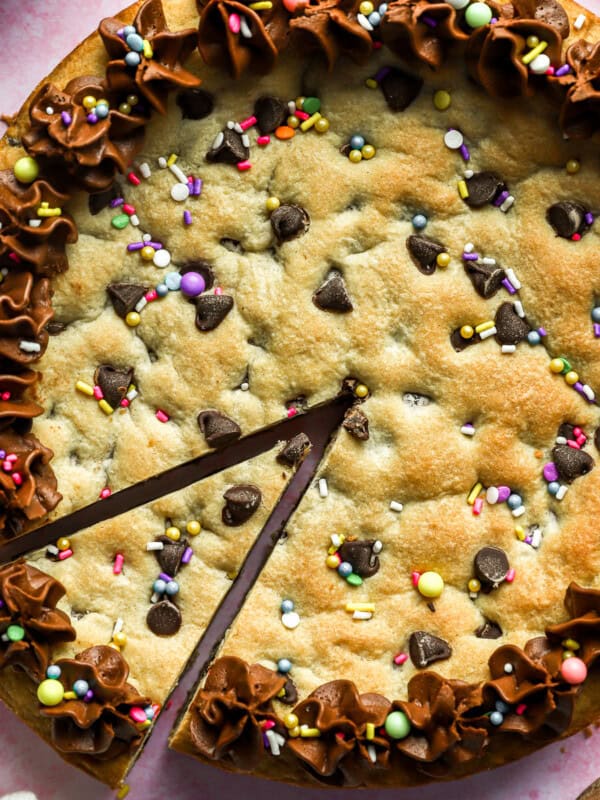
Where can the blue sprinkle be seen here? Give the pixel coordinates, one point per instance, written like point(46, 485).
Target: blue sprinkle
point(515, 501)
point(172, 588)
point(533, 338)
point(287, 606)
point(496, 718)
point(419, 221)
point(132, 59)
point(284, 665)
point(357, 141)
point(345, 569)
point(553, 487)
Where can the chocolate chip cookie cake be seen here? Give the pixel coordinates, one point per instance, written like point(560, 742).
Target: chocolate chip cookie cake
point(300, 316)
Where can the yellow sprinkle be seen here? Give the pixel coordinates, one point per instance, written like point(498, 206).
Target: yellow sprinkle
point(147, 49)
point(173, 533)
point(370, 732)
point(462, 189)
point(44, 211)
point(193, 527)
point(571, 377)
point(120, 639)
point(520, 533)
point(171, 160)
point(474, 493)
point(69, 695)
point(262, 5)
point(294, 732)
point(108, 409)
point(474, 585)
point(333, 549)
point(309, 733)
point(84, 388)
point(133, 319)
point(360, 607)
point(484, 326)
point(290, 721)
point(571, 644)
point(45, 205)
point(528, 57)
point(123, 791)
point(371, 83)
point(145, 724)
point(281, 692)
point(567, 654)
point(272, 203)
point(308, 123)
point(361, 390)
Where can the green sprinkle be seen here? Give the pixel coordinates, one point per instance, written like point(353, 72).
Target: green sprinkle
point(120, 221)
point(567, 367)
point(354, 580)
point(311, 105)
point(15, 633)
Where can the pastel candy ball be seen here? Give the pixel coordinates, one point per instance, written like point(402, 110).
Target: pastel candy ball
point(442, 99)
point(345, 569)
point(553, 487)
point(15, 633)
point(458, 4)
point(287, 606)
point(540, 64)
point(534, 338)
point(496, 718)
point(173, 281)
point(192, 284)
point(477, 15)
point(550, 471)
point(159, 586)
point(81, 688)
point(397, 725)
point(596, 314)
point(26, 169)
point(573, 670)
point(430, 584)
point(419, 221)
point(50, 692)
point(514, 501)
point(172, 588)
point(132, 59)
point(290, 620)
point(162, 258)
point(53, 671)
point(357, 141)
point(284, 665)
point(135, 42)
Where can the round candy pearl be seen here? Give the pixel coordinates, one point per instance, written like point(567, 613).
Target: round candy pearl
point(15, 633)
point(53, 672)
point(147, 253)
point(477, 15)
point(101, 111)
point(81, 688)
point(345, 569)
point(162, 290)
point(193, 527)
point(573, 670)
point(556, 366)
point(397, 725)
point(162, 258)
point(173, 281)
point(173, 533)
point(125, 108)
point(467, 332)
point(453, 139)
point(443, 260)
point(272, 203)
point(120, 639)
point(133, 319)
point(508, 668)
point(180, 192)
point(290, 620)
point(540, 64)
point(172, 588)
point(514, 501)
point(496, 718)
point(159, 586)
point(284, 665)
point(355, 156)
point(430, 584)
point(502, 707)
point(128, 29)
point(63, 543)
point(26, 169)
point(572, 166)
point(357, 141)
point(287, 606)
point(149, 711)
point(361, 390)
point(374, 18)
point(533, 338)
point(322, 125)
point(132, 59)
point(596, 314)
point(366, 8)
point(419, 221)
point(474, 585)
point(553, 487)
point(442, 99)
point(458, 4)
point(571, 377)
point(133, 99)
point(88, 102)
point(333, 561)
point(92, 118)
point(290, 721)
point(192, 284)
point(532, 41)
point(135, 42)
point(50, 692)
point(293, 121)
point(368, 151)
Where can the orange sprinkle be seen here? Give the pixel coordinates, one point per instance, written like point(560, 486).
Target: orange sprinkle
point(538, 454)
point(284, 132)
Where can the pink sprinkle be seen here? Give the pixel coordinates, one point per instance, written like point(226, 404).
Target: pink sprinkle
point(156, 708)
point(340, 735)
point(98, 393)
point(576, 237)
point(581, 440)
point(267, 725)
point(12, 457)
point(248, 123)
point(521, 709)
point(400, 659)
point(6, 466)
point(17, 478)
point(263, 140)
point(125, 402)
point(128, 209)
point(577, 431)
point(301, 115)
point(106, 492)
point(161, 416)
point(133, 178)
point(118, 565)
point(291, 412)
point(14, 257)
point(244, 166)
point(573, 444)
point(377, 45)
point(478, 506)
point(64, 554)
point(137, 714)
point(414, 576)
point(6, 395)
point(550, 71)
point(234, 23)
point(218, 290)
point(510, 575)
point(151, 295)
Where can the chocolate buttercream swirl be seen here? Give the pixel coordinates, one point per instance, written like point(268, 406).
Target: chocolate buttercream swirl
point(341, 715)
point(156, 73)
point(62, 139)
point(219, 46)
point(25, 308)
point(494, 53)
point(40, 246)
point(29, 599)
point(580, 109)
point(331, 27)
point(101, 727)
point(421, 31)
point(228, 711)
point(16, 407)
point(583, 606)
point(33, 493)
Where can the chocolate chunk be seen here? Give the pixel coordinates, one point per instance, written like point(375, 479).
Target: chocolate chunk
point(241, 502)
point(483, 188)
point(299, 404)
point(491, 565)
point(333, 295)
point(100, 200)
point(489, 630)
point(400, 88)
point(356, 423)
point(597, 439)
point(486, 279)
point(289, 221)
point(54, 327)
point(195, 103)
point(425, 648)
point(217, 428)
point(125, 296)
point(170, 556)
point(567, 218)
point(295, 450)
point(270, 113)
point(459, 343)
point(424, 251)
point(360, 554)
point(345, 149)
point(203, 268)
point(510, 327)
point(566, 430)
point(113, 382)
point(571, 463)
point(231, 150)
point(164, 618)
point(552, 13)
point(290, 698)
point(211, 310)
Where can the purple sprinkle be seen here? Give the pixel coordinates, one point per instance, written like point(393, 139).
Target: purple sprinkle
point(120, 33)
point(470, 256)
point(493, 20)
point(501, 198)
point(135, 246)
point(187, 217)
point(187, 555)
point(428, 21)
point(66, 118)
point(503, 493)
point(163, 576)
point(464, 151)
point(88, 696)
point(381, 74)
point(550, 472)
point(118, 201)
point(92, 118)
point(578, 386)
point(596, 334)
point(564, 70)
point(542, 331)
point(155, 245)
point(508, 286)
point(197, 187)
point(527, 540)
point(1, 603)
point(589, 218)
point(2, 453)
point(265, 741)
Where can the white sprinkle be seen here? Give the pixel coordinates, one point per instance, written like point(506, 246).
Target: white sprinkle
point(231, 124)
point(453, 139)
point(140, 304)
point(488, 333)
point(362, 615)
point(364, 22)
point(292, 106)
point(489, 261)
point(468, 430)
point(469, 247)
point(4, 637)
point(162, 162)
point(536, 538)
point(372, 752)
point(508, 668)
point(52, 549)
point(145, 170)
point(146, 237)
point(518, 512)
point(49, 110)
point(131, 395)
point(492, 495)
point(118, 627)
point(245, 28)
point(518, 306)
point(290, 620)
point(473, 595)
point(154, 546)
point(580, 22)
point(323, 490)
point(29, 347)
point(273, 743)
point(508, 348)
point(336, 540)
point(510, 274)
point(245, 140)
point(33, 223)
point(377, 546)
point(396, 506)
point(134, 220)
point(561, 440)
point(507, 204)
point(468, 173)
point(561, 492)
point(588, 392)
point(162, 258)
point(180, 192)
point(179, 173)
point(238, 128)
point(155, 597)
point(244, 386)
point(218, 140)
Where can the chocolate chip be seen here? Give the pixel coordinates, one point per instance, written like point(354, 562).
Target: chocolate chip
point(567, 430)
point(289, 221)
point(510, 327)
point(483, 188)
point(203, 268)
point(425, 648)
point(360, 554)
point(400, 88)
point(597, 439)
point(491, 565)
point(164, 618)
point(356, 423)
point(459, 343)
point(333, 295)
point(424, 251)
point(290, 697)
point(217, 428)
point(169, 558)
point(489, 630)
point(567, 218)
point(570, 462)
point(125, 296)
point(345, 149)
point(270, 113)
point(99, 201)
point(241, 502)
point(113, 382)
point(195, 103)
point(231, 150)
point(54, 327)
point(211, 310)
point(552, 13)
point(486, 279)
point(295, 450)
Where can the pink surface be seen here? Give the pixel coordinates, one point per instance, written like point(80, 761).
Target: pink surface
point(34, 37)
